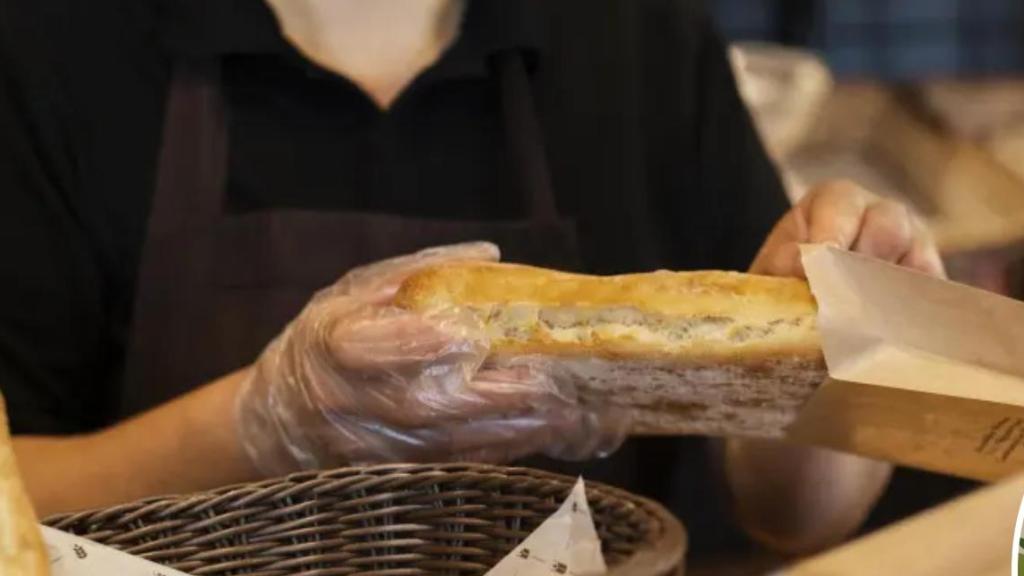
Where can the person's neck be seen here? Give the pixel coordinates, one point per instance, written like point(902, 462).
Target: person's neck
point(381, 45)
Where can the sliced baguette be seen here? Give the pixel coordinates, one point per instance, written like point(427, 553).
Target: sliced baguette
point(21, 544)
point(714, 353)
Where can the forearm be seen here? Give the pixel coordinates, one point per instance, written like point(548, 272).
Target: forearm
point(185, 445)
point(798, 499)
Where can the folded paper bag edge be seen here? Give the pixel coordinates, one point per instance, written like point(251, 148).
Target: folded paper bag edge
point(895, 366)
point(904, 403)
point(858, 313)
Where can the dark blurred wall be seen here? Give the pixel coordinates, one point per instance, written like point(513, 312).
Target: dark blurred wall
point(892, 40)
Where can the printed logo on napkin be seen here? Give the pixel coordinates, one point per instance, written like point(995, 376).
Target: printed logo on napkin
point(74, 556)
point(565, 544)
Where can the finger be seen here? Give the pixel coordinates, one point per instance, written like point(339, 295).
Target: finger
point(780, 254)
point(411, 374)
point(398, 269)
point(830, 214)
point(587, 431)
point(571, 433)
point(782, 260)
point(468, 251)
point(413, 371)
point(388, 338)
point(440, 395)
point(486, 251)
point(489, 441)
point(380, 280)
point(924, 253)
point(834, 213)
point(527, 441)
point(513, 389)
point(886, 232)
point(568, 433)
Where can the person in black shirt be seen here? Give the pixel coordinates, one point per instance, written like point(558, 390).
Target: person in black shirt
point(179, 177)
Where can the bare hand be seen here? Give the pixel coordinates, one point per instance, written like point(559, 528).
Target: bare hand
point(798, 499)
point(847, 216)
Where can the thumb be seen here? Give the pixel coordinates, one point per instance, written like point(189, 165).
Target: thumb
point(377, 337)
point(780, 253)
point(379, 281)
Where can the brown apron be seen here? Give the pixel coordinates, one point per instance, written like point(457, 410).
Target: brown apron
point(214, 288)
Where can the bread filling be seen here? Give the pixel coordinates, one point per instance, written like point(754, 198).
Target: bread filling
point(520, 322)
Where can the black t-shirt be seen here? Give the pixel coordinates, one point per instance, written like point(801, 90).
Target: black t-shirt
point(648, 143)
point(649, 148)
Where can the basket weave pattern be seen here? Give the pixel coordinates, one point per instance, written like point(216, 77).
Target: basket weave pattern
point(395, 520)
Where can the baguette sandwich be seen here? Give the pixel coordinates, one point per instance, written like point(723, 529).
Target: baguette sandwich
point(21, 545)
point(713, 353)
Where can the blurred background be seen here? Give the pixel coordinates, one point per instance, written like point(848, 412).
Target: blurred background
point(894, 40)
point(920, 99)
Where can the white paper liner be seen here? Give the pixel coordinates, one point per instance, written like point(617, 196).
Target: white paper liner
point(566, 544)
point(74, 556)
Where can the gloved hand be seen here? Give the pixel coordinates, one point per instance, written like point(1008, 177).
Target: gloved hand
point(354, 380)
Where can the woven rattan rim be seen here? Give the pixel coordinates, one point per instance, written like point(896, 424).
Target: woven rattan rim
point(394, 520)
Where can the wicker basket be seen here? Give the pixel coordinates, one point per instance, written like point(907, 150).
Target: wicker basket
point(399, 520)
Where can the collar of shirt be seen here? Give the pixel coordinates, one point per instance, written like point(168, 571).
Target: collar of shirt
point(212, 28)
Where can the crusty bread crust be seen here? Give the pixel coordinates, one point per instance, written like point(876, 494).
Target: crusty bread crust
point(692, 352)
point(693, 293)
point(682, 316)
point(21, 545)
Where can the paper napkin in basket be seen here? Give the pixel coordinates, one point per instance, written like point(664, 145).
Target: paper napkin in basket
point(566, 543)
point(74, 556)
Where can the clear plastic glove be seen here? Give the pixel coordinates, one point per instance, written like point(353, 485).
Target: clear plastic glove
point(354, 380)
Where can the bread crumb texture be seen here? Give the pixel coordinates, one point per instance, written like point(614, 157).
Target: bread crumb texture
point(667, 315)
point(716, 353)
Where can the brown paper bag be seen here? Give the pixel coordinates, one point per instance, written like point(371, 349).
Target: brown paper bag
point(923, 372)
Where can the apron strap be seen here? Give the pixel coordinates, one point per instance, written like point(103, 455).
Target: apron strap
point(524, 138)
point(176, 256)
point(193, 159)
